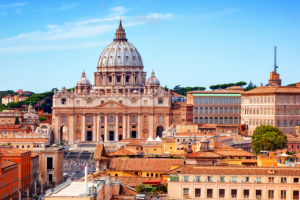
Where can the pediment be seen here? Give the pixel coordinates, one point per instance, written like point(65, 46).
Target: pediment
point(111, 104)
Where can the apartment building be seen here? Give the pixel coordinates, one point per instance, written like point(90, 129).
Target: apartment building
point(224, 182)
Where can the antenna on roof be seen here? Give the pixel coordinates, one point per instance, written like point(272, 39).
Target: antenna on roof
point(275, 59)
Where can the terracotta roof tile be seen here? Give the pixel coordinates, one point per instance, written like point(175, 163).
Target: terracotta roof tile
point(144, 164)
point(34, 154)
point(291, 138)
point(8, 163)
point(99, 152)
point(236, 170)
point(12, 150)
point(135, 181)
point(197, 134)
point(204, 154)
point(134, 143)
point(274, 89)
point(225, 138)
point(234, 152)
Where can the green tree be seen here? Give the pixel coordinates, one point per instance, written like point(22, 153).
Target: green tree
point(202, 88)
point(267, 137)
point(42, 118)
point(17, 120)
point(214, 87)
point(223, 86)
point(241, 83)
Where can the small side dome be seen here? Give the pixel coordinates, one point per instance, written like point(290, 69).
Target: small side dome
point(135, 92)
point(152, 80)
point(83, 80)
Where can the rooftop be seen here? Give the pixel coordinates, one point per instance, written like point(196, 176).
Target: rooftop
point(144, 164)
point(274, 89)
point(7, 164)
point(23, 140)
point(73, 190)
point(124, 152)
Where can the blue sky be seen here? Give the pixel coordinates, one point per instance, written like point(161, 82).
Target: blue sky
point(47, 44)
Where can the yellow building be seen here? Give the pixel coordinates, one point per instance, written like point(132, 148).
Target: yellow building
point(183, 128)
point(29, 144)
point(142, 167)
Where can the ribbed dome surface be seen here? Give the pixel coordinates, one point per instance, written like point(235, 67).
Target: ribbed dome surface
point(152, 80)
point(120, 53)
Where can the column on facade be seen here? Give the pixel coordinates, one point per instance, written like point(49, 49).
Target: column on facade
point(83, 128)
point(151, 125)
point(105, 127)
point(56, 128)
point(104, 78)
point(94, 127)
point(98, 128)
point(167, 120)
point(71, 131)
point(128, 126)
point(117, 128)
point(139, 125)
point(114, 78)
point(124, 126)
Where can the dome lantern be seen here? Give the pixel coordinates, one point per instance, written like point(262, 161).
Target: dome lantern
point(120, 34)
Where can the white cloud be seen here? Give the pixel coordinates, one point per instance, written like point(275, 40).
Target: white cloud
point(63, 7)
point(153, 17)
point(13, 5)
point(119, 10)
point(72, 35)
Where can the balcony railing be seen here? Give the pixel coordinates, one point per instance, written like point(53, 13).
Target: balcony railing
point(271, 197)
point(209, 196)
point(295, 197)
point(233, 196)
point(283, 197)
point(246, 196)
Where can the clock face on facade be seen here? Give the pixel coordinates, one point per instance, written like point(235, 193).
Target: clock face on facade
point(160, 92)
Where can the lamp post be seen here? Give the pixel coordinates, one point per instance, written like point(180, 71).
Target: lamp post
point(27, 191)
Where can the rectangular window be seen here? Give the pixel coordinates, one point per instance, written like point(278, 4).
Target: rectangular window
point(230, 100)
point(283, 180)
point(271, 179)
point(234, 179)
point(186, 178)
point(246, 194)
point(271, 194)
point(127, 79)
point(197, 192)
point(118, 79)
point(102, 102)
point(216, 100)
point(221, 193)
point(209, 178)
point(89, 102)
point(296, 180)
point(185, 190)
point(283, 194)
point(205, 100)
point(246, 179)
point(211, 100)
point(209, 193)
point(258, 179)
point(133, 102)
point(198, 178)
point(220, 100)
point(49, 163)
point(200, 100)
point(292, 111)
point(121, 102)
point(77, 103)
point(258, 194)
point(233, 193)
point(160, 101)
point(222, 179)
point(225, 100)
point(63, 101)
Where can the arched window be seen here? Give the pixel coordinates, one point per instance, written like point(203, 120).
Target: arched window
point(120, 119)
point(230, 110)
point(63, 119)
point(221, 120)
point(230, 120)
point(201, 110)
point(206, 120)
point(216, 110)
point(225, 110)
point(225, 120)
point(236, 120)
point(111, 118)
point(196, 120)
point(292, 123)
point(211, 110)
point(133, 118)
point(206, 109)
point(221, 110)
point(89, 119)
point(235, 110)
point(159, 119)
point(102, 119)
point(211, 120)
point(201, 120)
point(196, 110)
point(216, 120)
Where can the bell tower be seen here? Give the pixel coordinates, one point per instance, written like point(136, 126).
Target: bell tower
point(274, 76)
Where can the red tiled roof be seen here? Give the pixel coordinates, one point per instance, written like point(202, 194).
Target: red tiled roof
point(10, 126)
point(230, 90)
point(99, 152)
point(23, 140)
point(134, 143)
point(174, 94)
point(291, 138)
point(12, 150)
point(34, 154)
point(274, 90)
point(225, 138)
point(142, 140)
point(144, 164)
point(236, 170)
point(233, 152)
point(7, 96)
point(7, 163)
point(124, 152)
point(204, 154)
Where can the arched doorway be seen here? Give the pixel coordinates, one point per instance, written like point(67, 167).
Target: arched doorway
point(159, 131)
point(102, 136)
point(120, 137)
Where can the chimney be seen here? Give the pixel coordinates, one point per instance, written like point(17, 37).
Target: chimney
point(178, 172)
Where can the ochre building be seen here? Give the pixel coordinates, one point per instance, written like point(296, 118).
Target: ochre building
point(120, 104)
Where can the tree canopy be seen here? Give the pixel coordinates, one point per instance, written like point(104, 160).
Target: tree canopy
point(267, 137)
point(184, 90)
point(223, 86)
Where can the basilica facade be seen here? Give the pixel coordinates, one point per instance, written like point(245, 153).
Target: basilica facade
point(121, 103)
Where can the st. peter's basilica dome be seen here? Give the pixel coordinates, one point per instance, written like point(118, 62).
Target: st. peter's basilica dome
point(153, 80)
point(120, 52)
